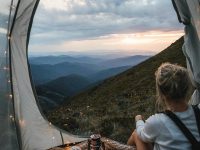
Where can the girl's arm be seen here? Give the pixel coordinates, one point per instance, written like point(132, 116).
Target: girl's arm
point(148, 131)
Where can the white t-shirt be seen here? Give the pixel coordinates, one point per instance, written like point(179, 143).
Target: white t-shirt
point(161, 130)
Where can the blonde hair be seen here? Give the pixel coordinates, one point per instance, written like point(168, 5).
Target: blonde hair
point(172, 82)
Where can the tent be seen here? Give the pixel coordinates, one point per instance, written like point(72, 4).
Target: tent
point(188, 12)
point(23, 126)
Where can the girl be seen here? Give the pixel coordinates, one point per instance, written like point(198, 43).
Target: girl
point(173, 87)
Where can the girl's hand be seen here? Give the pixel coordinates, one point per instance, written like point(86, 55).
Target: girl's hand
point(138, 117)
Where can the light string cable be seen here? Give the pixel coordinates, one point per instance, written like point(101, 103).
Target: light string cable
point(6, 55)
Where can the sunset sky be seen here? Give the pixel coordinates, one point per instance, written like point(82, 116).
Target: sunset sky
point(100, 27)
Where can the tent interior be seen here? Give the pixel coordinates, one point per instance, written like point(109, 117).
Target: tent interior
point(23, 124)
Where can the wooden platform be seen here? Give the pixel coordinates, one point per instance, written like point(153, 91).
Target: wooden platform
point(108, 145)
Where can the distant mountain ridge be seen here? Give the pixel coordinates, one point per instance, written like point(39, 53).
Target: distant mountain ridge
point(45, 72)
point(125, 61)
point(52, 60)
point(109, 107)
point(53, 67)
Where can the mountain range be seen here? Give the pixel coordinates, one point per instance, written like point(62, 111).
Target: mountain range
point(53, 67)
point(60, 77)
point(52, 60)
point(124, 61)
point(45, 72)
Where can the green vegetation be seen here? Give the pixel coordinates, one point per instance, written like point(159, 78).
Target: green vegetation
point(110, 107)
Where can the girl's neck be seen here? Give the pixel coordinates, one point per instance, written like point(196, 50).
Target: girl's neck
point(177, 106)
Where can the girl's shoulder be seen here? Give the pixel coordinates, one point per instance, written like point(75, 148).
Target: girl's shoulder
point(156, 119)
point(154, 124)
point(161, 118)
point(157, 116)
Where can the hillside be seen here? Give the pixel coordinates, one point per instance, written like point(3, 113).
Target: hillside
point(106, 73)
point(110, 107)
point(66, 85)
point(53, 93)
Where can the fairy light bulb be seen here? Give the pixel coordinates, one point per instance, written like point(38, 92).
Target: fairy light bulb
point(13, 6)
point(5, 52)
point(12, 118)
point(50, 123)
point(8, 81)
point(10, 95)
point(53, 138)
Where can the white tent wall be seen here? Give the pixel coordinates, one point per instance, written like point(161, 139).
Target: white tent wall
point(8, 134)
point(189, 14)
point(35, 131)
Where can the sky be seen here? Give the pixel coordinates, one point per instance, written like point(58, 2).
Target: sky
point(104, 27)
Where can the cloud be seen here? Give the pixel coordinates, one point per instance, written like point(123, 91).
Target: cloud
point(68, 20)
point(104, 25)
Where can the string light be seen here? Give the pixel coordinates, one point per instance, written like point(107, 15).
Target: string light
point(10, 95)
point(53, 140)
point(5, 68)
point(8, 81)
point(13, 6)
point(12, 118)
point(5, 52)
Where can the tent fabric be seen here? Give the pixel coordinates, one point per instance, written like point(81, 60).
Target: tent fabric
point(8, 134)
point(35, 131)
point(189, 11)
